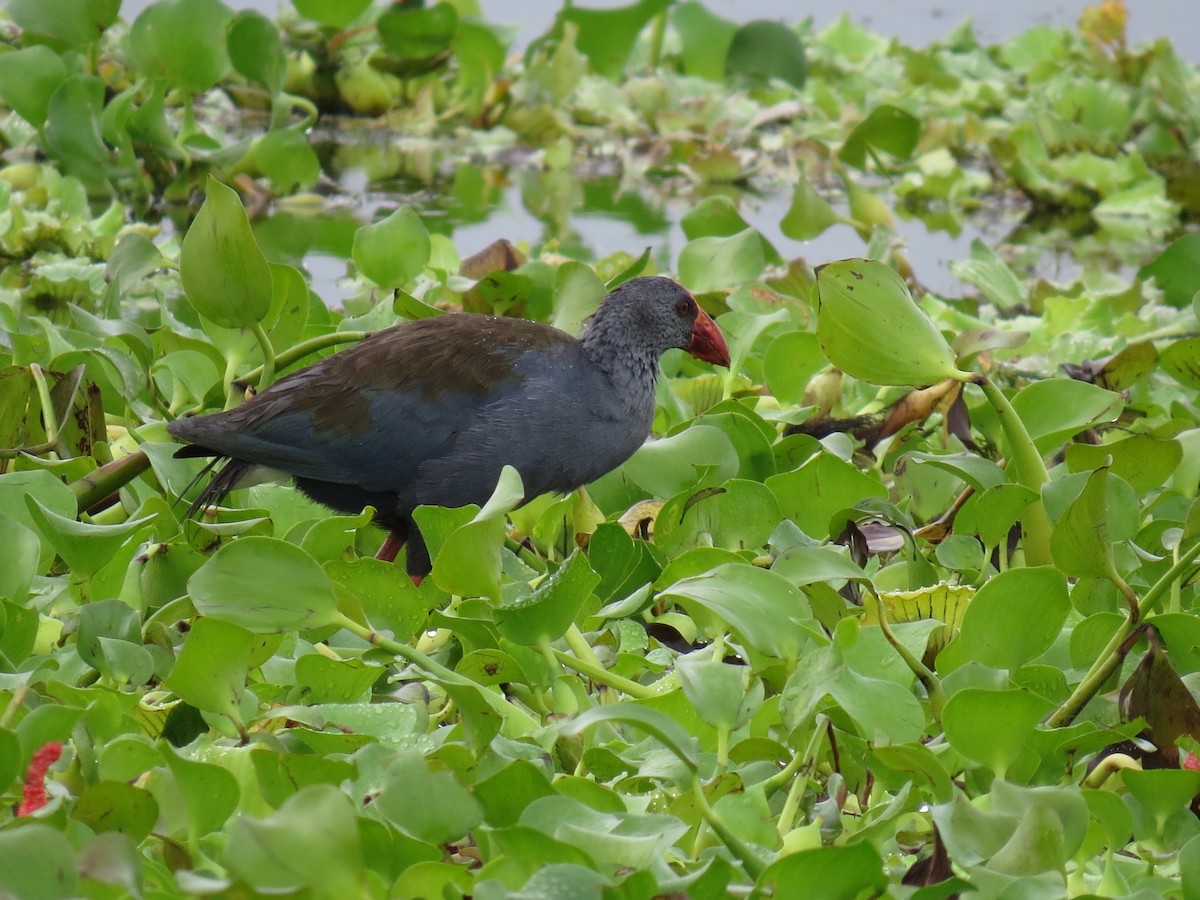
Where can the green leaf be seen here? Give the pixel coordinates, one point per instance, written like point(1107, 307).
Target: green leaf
point(715, 263)
point(332, 13)
point(28, 79)
point(1143, 461)
point(714, 689)
point(73, 128)
point(1176, 270)
point(770, 626)
point(763, 49)
point(210, 671)
point(393, 251)
point(606, 36)
point(1014, 617)
point(224, 273)
point(83, 546)
point(256, 50)
point(887, 128)
point(183, 42)
point(1081, 545)
point(812, 494)
point(993, 727)
point(705, 38)
point(37, 862)
point(430, 805)
point(210, 792)
point(287, 158)
point(552, 608)
point(658, 724)
point(988, 272)
point(264, 585)
point(1057, 409)
point(311, 842)
point(65, 23)
point(117, 806)
point(578, 292)
point(869, 327)
point(809, 214)
point(843, 873)
point(417, 33)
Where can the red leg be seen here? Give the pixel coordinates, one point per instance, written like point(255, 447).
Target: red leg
point(391, 546)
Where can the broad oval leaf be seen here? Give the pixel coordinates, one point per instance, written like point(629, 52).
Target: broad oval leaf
point(224, 273)
point(869, 327)
point(264, 585)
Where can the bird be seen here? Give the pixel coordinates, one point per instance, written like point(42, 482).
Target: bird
point(428, 412)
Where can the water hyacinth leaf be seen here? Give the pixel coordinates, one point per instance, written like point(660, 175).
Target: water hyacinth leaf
point(429, 805)
point(606, 36)
point(1056, 409)
point(393, 251)
point(998, 509)
point(288, 160)
point(659, 725)
point(993, 727)
point(1015, 617)
point(17, 488)
point(332, 13)
point(1081, 545)
point(1176, 270)
point(771, 626)
point(264, 585)
point(855, 870)
point(988, 272)
point(1181, 360)
point(28, 79)
point(311, 842)
point(715, 263)
point(64, 24)
point(210, 792)
point(763, 49)
point(714, 689)
point(809, 214)
point(1143, 461)
point(705, 38)
point(413, 33)
point(85, 547)
point(790, 362)
point(739, 515)
point(884, 710)
point(390, 603)
point(812, 494)
point(210, 671)
point(37, 861)
point(73, 127)
point(698, 456)
point(578, 292)
point(1162, 791)
point(256, 51)
point(224, 273)
point(117, 806)
point(887, 128)
point(182, 42)
point(22, 552)
point(552, 608)
point(978, 472)
point(870, 328)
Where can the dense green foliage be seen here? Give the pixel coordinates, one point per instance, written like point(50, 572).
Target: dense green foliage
point(903, 603)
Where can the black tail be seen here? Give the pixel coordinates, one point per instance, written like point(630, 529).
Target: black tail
point(222, 482)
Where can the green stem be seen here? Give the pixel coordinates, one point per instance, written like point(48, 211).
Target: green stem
point(507, 711)
point(580, 647)
point(268, 352)
point(49, 416)
point(295, 101)
point(933, 685)
point(750, 860)
point(1111, 657)
point(304, 348)
point(658, 31)
point(1030, 471)
point(601, 675)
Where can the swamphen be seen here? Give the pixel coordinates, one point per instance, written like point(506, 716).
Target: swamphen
point(429, 412)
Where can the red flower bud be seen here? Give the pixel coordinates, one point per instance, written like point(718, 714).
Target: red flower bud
point(34, 789)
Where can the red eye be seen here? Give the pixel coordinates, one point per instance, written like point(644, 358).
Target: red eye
point(683, 307)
